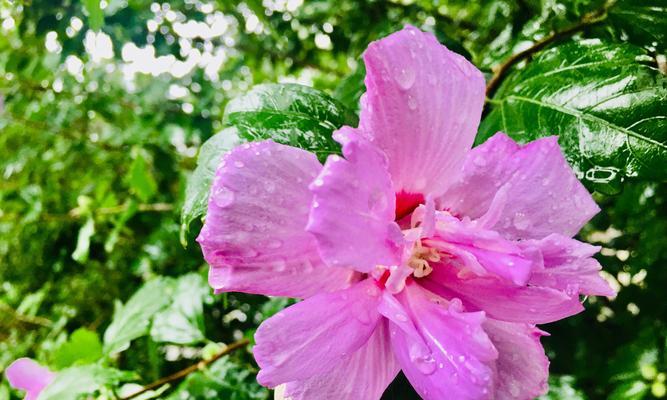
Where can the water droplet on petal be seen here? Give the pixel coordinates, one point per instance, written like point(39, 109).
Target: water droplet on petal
point(405, 78)
point(239, 164)
point(274, 243)
point(480, 161)
point(377, 202)
point(520, 221)
point(412, 102)
point(223, 197)
point(401, 317)
point(423, 359)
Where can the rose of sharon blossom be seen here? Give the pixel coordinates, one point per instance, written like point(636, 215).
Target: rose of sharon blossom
point(412, 252)
point(25, 374)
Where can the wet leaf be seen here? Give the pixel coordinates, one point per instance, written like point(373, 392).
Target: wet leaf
point(75, 382)
point(199, 182)
point(81, 251)
point(605, 102)
point(132, 320)
point(183, 321)
point(291, 114)
point(95, 14)
point(82, 347)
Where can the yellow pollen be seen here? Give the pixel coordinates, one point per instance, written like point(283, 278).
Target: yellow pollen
point(419, 260)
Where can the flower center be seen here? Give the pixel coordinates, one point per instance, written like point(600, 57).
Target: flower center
point(420, 258)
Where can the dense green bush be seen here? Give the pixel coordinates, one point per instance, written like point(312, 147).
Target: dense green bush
point(104, 107)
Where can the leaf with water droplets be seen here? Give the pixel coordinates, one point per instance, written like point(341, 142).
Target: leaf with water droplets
point(605, 102)
point(290, 114)
point(199, 182)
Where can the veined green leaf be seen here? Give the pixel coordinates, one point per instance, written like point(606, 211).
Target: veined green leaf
point(132, 320)
point(183, 321)
point(75, 382)
point(291, 114)
point(605, 102)
point(95, 14)
point(82, 347)
point(199, 182)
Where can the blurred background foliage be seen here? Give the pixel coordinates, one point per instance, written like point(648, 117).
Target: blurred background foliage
point(105, 104)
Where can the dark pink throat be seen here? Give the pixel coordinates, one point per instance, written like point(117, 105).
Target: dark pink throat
point(406, 203)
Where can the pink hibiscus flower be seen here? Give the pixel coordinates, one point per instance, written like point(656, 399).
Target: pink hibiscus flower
point(412, 252)
point(25, 374)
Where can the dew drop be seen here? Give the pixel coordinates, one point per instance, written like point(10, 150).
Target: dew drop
point(423, 359)
point(520, 221)
point(480, 161)
point(274, 243)
point(405, 78)
point(412, 102)
point(377, 202)
point(401, 317)
point(223, 197)
point(239, 164)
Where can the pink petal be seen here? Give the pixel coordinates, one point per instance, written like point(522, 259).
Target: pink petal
point(25, 374)
point(535, 191)
point(569, 266)
point(522, 367)
point(422, 107)
point(311, 337)
point(353, 208)
point(483, 251)
point(363, 375)
point(502, 300)
point(458, 359)
point(254, 237)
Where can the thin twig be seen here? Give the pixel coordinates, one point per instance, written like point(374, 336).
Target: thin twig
point(27, 319)
point(185, 372)
point(587, 20)
point(154, 207)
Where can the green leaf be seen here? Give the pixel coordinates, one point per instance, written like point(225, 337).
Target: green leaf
point(95, 14)
point(603, 101)
point(350, 88)
point(75, 382)
point(87, 231)
point(563, 388)
point(183, 321)
point(635, 390)
point(641, 21)
point(139, 177)
point(83, 347)
point(291, 114)
point(132, 320)
point(199, 182)
point(224, 379)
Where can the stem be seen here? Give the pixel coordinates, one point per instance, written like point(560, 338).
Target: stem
point(587, 20)
point(155, 207)
point(27, 319)
point(194, 367)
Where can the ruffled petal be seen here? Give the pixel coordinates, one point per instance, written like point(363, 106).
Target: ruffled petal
point(568, 266)
point(500, 299)
point(363, 375)
point(531, 189)
point(25, 374)
point(422, 107)
point(458, 357)
point(522, 367)
point(353, 207)
point(254, 237)
point(311, 337)
point(482, 251)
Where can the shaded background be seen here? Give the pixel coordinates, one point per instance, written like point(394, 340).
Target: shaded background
point(103, 107)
